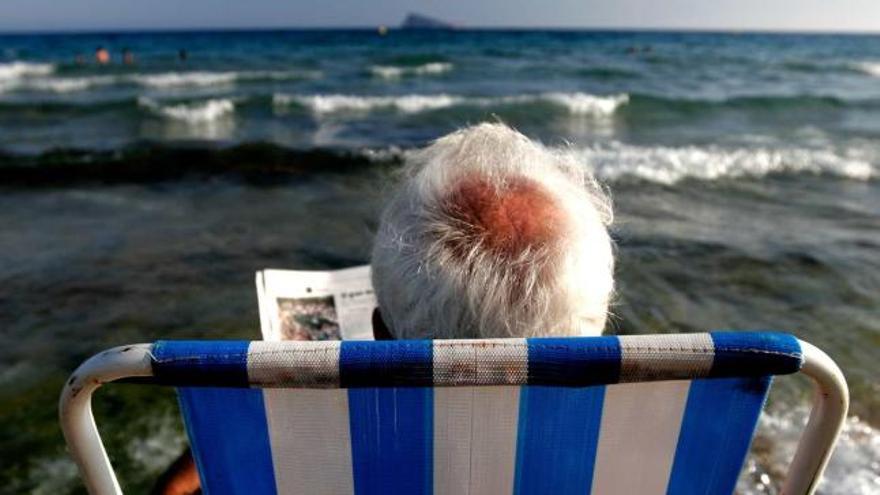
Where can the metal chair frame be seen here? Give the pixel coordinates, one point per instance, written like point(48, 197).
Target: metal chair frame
point(830, 404)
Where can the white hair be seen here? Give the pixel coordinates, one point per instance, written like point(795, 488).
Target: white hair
point(435, 277)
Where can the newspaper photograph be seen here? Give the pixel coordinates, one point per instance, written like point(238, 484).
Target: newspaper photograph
point(316, 305)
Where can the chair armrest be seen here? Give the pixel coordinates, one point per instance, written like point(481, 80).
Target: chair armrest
point(75, 411)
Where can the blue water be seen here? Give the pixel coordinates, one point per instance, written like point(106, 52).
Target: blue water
point(136, 201)
point(357, 89)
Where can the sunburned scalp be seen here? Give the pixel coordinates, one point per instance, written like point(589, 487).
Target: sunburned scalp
point(507, 219)
point(493, 235)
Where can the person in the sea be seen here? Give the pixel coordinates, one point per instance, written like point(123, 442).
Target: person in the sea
point(102, 56)
point(127, 57)
point(488, 235)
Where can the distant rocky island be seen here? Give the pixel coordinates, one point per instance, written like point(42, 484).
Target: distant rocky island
point(419, 21)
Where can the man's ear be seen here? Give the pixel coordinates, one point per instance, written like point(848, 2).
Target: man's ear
point(380, 331)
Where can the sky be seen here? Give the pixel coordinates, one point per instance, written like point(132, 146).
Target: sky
point(784, 15)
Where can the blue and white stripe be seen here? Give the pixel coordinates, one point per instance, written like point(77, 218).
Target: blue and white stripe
point(407, 417)
point(573, 361)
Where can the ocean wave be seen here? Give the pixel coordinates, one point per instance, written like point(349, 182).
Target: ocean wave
point(67, 84)
point(18, 69)
point(202, 112)
point(395, 71)
point(52, 474)
point(162, 80)
point(175, 79)
point(611, 162)
point(155, 452)
point(201, 79)
point(587, 104)
point(852, 469)
point(323, 104)
point(869, 68)
point(669, 165)
point(13, 73)
point(575, 103)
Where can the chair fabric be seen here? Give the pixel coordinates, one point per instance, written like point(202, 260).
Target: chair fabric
point(603, 415)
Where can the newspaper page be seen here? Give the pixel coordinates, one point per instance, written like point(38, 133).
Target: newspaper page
point(316, 305)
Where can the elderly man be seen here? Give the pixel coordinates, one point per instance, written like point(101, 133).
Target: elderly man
point(488, 235)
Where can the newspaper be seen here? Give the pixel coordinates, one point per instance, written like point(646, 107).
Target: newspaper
point(316, 305)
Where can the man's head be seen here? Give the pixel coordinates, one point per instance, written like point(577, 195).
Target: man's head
point(493, 235)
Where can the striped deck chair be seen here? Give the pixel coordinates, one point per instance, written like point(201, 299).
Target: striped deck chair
point(595, 415)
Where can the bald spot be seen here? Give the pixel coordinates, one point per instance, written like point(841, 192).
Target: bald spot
point(522, 215)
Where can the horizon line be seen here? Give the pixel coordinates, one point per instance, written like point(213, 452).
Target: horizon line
point(622, 29)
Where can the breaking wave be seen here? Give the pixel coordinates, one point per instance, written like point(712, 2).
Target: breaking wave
point(668, 165)
point(395, 72)
point(67, 84)
point(322, 104)
point(587, 104)
point(854, 468)
point(202, 112)
point(869, 68)
point(11, 73)
point(175, 79)
point(575, 103)
point(33, 77)
point(610, 162)
point(15, 70)
point(617, 161)
point(200, 79)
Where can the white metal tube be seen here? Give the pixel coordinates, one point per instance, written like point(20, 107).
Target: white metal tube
point(77, 420)
point(830, 404)
point(84, 442)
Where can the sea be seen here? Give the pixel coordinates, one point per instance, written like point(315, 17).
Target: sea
point(138, 199)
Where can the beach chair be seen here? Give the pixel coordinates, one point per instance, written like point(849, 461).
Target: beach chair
point(594, 415)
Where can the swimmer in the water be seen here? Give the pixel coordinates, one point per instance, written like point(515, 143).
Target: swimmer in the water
point(102, 56)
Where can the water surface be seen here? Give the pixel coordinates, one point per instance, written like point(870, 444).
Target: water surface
point(136, 202)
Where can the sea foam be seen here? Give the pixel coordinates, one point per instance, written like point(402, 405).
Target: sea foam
point(67, 84)
point(574, 103)
point(18, 69)
point(668, 165)
point(617, 161)
point(201, 79)
point(870, 68)
point(158, 81)
point(12, 74)
point(583, 103)
point(854, 468)
point(173, 79)
point(202, 112)
point(322, 104)
point(395, 72)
